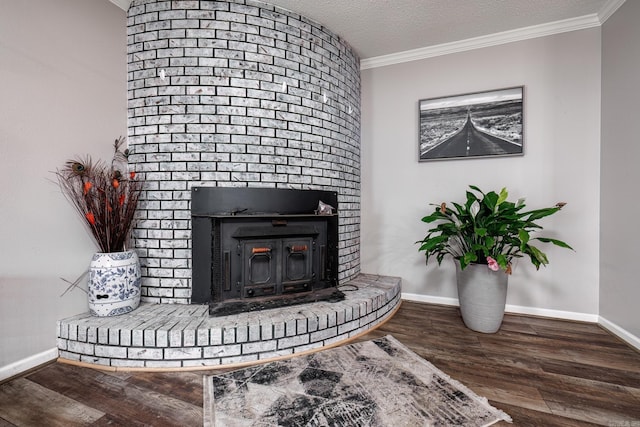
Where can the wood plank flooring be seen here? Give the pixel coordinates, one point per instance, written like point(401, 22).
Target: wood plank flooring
point(542, 372)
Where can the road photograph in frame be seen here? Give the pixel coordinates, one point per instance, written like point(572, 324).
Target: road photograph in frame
point(480, 124)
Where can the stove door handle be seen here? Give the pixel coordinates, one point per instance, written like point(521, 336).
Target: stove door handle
point(298, 248)
point(264, 250)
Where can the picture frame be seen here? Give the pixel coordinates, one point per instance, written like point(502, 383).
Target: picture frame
point(472, 125)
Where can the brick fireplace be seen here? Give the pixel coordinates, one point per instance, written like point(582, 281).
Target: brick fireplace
point(235, 94)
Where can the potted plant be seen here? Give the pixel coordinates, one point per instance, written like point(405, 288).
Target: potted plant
point(106, 197)
point(484, 235)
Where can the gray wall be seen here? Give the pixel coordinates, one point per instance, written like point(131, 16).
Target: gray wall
point(63, 86)
point(620, 152)
point(561, 77)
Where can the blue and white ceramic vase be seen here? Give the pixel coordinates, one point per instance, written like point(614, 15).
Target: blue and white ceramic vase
point(114, 283)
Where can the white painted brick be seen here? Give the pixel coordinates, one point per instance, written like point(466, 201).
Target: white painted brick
point(63, 329)
point(103, 336)
point(254, 332)
point(200, 363)
point(323, 322)
point(61, 343)
point(267, 331)
point(142, 353)
point(127, 363)
point(278, 329)
point(367, 319)
point(294, 341)
point(291, 327)
point(369, 290)
point(348, 314)
point(259, 347)
point(308, 347)
point(323, 334)
point(114, 336)
point(202, 337)
point(337, 339)
point(239, 359)
point(229, 335)
point(301, 326)
point(162, 338)
point(137, 337)
point(348, 327)
point(252, 50)
point(149, 338)
point(189, 337)
point(222, 351)
point(68, 355)
point(92, 335)
point(72, 332)
point(182, 353)
point(331, 318)
point(79, 347)
point(215, 336)
point(175, 337)
point(95, 360)
point(110, 351)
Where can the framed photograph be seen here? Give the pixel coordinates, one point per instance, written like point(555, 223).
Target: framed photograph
point(480, 124)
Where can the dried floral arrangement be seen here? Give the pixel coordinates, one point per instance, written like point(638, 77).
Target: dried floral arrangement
point(104, 194)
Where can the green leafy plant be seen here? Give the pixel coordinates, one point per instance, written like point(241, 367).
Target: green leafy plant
point(487, 229)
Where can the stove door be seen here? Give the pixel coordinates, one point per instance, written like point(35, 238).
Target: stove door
point(260, 268)
point(297, 264)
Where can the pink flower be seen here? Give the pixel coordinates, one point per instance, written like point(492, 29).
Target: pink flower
point(493, 264)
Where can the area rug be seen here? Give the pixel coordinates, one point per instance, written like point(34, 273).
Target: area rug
point(371, 383)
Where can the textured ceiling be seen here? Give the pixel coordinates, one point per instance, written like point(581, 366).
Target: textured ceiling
point(381, 27)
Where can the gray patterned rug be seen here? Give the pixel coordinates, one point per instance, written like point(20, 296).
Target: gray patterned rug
point(371, 383)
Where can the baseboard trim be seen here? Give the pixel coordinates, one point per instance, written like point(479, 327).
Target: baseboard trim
point(27, 363)
point(514, 309)
point(620, 332)
point(555, 314)
point(429, 299)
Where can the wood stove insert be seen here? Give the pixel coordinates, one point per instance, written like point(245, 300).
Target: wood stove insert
point(257, 248)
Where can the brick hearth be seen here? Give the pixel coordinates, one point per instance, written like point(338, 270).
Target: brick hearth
point(168, 336)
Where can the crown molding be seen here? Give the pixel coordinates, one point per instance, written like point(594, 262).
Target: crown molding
point(573, 24)
point(609, 9)
point(122, 4)
point(519, 34)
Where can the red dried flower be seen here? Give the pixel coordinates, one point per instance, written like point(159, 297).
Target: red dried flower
point(91, 218)
point(132, 175)
point(121, 199)
point(115, 183)
point(86, 187)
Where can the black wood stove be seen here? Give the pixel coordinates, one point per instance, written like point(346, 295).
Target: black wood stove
point(259, 248)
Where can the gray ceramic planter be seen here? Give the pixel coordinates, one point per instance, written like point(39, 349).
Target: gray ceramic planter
point(482, 294)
